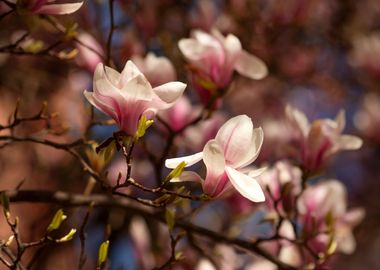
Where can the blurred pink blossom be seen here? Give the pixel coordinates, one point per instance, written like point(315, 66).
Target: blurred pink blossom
point(180, 114)
point(195, 137)
point(157, 69)
point(325, 199)
point(127, 96)
point(213, 59)
point(321, 138)
point(86, 56)
point(236, 145)
point(283, 181)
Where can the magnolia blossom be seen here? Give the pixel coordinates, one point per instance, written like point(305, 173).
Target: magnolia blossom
point(47, 6)
point(215, 57)
point(128, 95)
point(321, 200)
point(282, 176)
point(236, 145)
point(180, 114)
point(321, 138)
point(157, 69)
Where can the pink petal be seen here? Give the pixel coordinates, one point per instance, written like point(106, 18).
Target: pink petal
point(257, 172)
point(245, 185)
point(191, 49)
point(214, 160)
point(252, 150)
point(101, 106)
point(138, 88)
point(250, 66)
point(112, 75)
point(170, 92)
point(129, 72)
point(190, 160)
point(234, 137)
point(299, 119)
point(59, 9)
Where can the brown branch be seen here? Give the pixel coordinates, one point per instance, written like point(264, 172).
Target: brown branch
point(112, 29)
point(66, 199)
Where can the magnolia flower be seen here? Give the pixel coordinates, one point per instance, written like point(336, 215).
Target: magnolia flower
point(180, 114)
point(236, 145)
point(322, 138)
point(321, 200)
point(126, 96)
point(215, 57)
point(157, 69)
point(282, 176)
point(46, 6)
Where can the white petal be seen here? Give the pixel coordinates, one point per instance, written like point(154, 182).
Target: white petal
point(129, 72)
point(232, 45)
point(138, 88)
point(190, 160)
point(250, 66)
point(191, 49)
point(349, 142)
point(234, 137)
point(340, 120)
point(206, 39)
point(299, 119)
point(170, 92)
point(247, 186)
point(257, 172)
point(354, 216)
point(252, 150)
point(112, 75)
point(59, 9)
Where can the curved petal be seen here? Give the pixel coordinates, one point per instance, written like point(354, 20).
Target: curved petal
point(299, 119)
point(138, 88)
point(234, 137)
point(250, 66)
point(112, 75)
point(245, 185)
point(101, 106)
point(257, 172)
point(232, 45)
point(346, 142)
point(59, 9)
point(129, 72)
point(252, 150)
point(170, 92)
point(214, 160)
point(190, 160)
point(191, 49)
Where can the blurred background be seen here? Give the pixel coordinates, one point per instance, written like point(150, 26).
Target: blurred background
point(322, 55)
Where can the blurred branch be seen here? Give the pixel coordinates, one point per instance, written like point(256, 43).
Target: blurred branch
point(99, 200)
point(112, 29)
